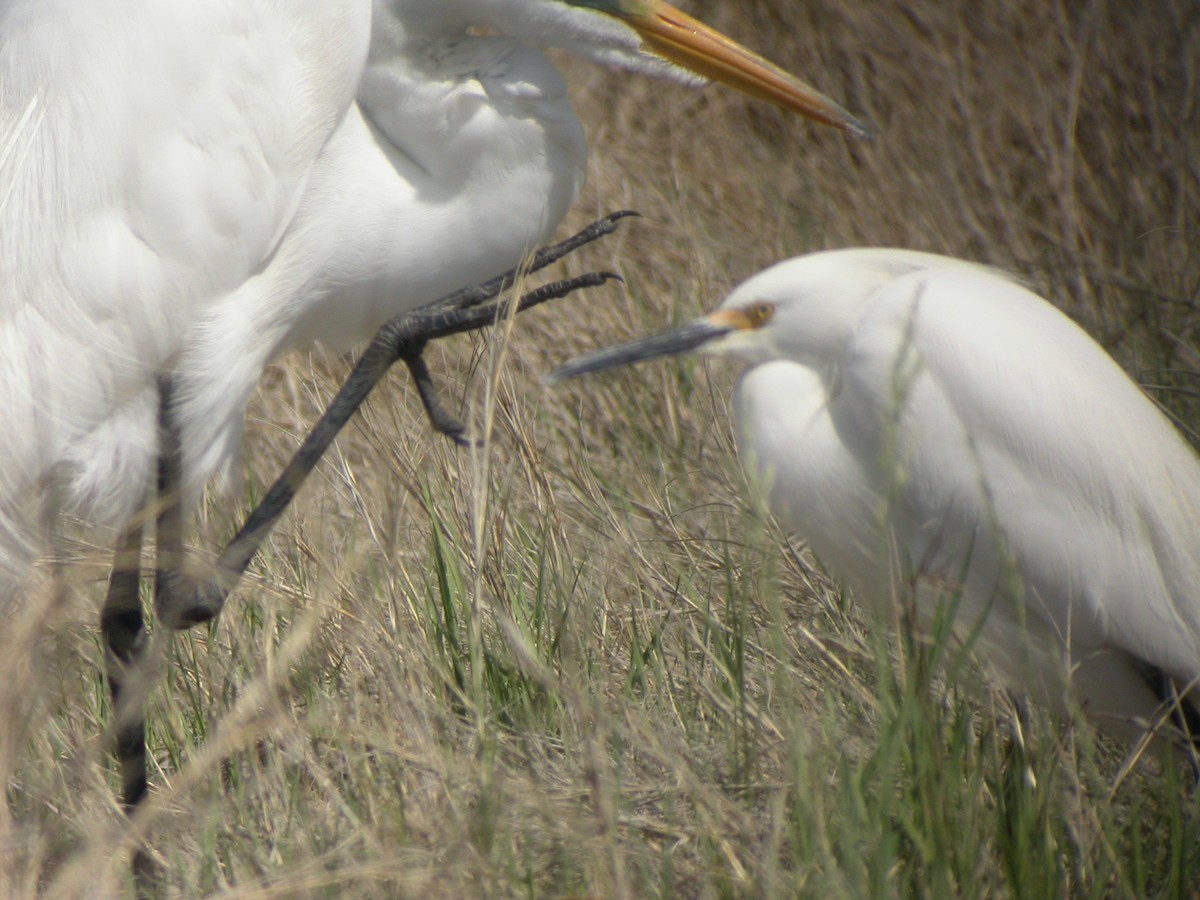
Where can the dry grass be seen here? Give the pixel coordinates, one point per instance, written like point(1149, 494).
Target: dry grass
point(577, 662)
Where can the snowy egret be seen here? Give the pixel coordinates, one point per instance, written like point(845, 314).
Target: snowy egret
point(934, 429)
point(189, 189)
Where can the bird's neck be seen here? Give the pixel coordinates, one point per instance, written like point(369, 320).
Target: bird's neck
point(453, 106)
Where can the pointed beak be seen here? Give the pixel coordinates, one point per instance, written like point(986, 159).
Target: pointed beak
point(678, 37)
point(691, 336)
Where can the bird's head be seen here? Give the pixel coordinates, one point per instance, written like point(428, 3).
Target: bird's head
point(742, 327)
point(803, 310)
point(643, 35)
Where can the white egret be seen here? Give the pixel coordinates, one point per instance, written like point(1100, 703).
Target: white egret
point(189, 188)
point(934, 429)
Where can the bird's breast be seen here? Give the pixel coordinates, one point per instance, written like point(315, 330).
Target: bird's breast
point(437, 179)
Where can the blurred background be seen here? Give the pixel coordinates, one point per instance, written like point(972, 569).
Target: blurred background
point(579, 661)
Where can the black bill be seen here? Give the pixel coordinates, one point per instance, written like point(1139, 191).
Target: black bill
point(666, 343)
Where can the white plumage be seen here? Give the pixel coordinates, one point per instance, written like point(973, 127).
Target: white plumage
point(190, 187)
point(167, 151)
point(935, 430)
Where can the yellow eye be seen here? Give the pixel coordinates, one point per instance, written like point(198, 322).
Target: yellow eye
point(758, 314)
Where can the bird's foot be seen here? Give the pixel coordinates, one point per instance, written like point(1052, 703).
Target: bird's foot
point(182, 601)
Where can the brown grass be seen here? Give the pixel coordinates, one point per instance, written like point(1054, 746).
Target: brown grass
point(578, 662)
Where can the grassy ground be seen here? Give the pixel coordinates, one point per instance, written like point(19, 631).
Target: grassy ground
point(578, 661)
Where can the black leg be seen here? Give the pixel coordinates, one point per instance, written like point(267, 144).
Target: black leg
point(172, 589)
point(181, 602)
point(440, 321)
point(123, 628)
point(1178, 708)
point(124, 632)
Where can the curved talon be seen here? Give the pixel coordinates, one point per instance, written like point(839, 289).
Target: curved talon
point(182, 601)
point(458, 437)
point(593, 232)
point(445, 424)
point(439, 420)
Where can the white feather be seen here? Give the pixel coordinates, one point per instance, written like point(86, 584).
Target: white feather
point(925, 422)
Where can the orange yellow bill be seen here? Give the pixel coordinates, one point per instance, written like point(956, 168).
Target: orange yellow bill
point(689, 43)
